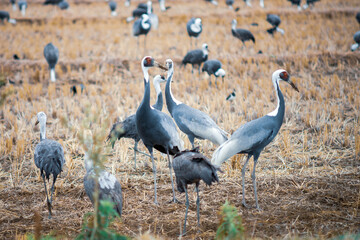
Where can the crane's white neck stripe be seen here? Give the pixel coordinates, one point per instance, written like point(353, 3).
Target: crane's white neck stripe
point(275, 112)
point(170, 75)
point(42, 130)
point(157, 87)
point(144, 24)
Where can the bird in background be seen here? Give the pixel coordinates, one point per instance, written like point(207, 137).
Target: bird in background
point(297, 3)
point(242, 34)
point(4, 15)
point(156, 129)
point(51, 54)
point(230, 4)
point(194, 123)
point(141, 9)
point(196, 57)
point(212, 2)
point(357, 41)
point(112, 6)
point(310, 3)
point(74, 89)
point(194, 29)
point(275, 21)
point(190, 167)
point(358, 17)
point(163, 8)
point(213, 67)
point(48, 157)
point(142, 26)
point(63, 5)
point(22, 6)
point(154, 20)
point(52, 2)
point(13, 4)
point(248, 3)
point(109, 187)
point(127, 128)
point(231, 96)
point(252, 137)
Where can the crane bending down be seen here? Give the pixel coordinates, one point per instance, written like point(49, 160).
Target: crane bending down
point(109, 186)
point(156, 129)
point(252, 137)
point(190, 167)
point(49, 157)
point(127, 128)
point(194, 123)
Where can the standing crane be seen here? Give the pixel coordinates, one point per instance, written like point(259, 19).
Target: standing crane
point(357, 41)
point(252, 137)
point(194, 29)
point(156, 129)
point(242, 34)
point(142, 26)
point(22, 6)
point(51, 54)
point(196, 57)
point(190, 167)
point(112, 6)
point(4, 15)
point(194, 123)
point(109, 187)
point(48, 157)
point(275, 21)
point(213, 67)
point(127, 128)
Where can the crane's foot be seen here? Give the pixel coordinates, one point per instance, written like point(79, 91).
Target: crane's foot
point(174, 200)
point(245, 205)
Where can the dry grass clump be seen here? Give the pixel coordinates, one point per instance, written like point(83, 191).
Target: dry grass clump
point(308, 178)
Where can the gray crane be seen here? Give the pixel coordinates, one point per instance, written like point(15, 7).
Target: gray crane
point(127, 128)
point(213, 67)
point(63, 5)
point(248, 3)
point(196, 57)
point(22, 6)
point(190, 167)
point(253, 136)
point(358, 17)
point(156, 129)
point(112, 6)
point(357, 41)
point(154, 20)
point(48, 157)
point(275, 21)
point(194, 123)
point(51, 54)
point(13, 4)
point(231, 96)
point(142, 26)
point(297, 3)
point(109, 187)
point(242, 34)
point(194, 29)
point(4, 15)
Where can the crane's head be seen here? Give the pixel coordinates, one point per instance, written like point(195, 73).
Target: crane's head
point(169, 64)
point(159, 79)
point(41, 118)
point(205, 47)
point(198, 21)
point(148, 62)
point(283, 75)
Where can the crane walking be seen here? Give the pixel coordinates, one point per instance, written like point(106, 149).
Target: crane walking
point(252, 137)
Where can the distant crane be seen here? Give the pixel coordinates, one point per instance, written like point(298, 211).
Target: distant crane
point(357, 41)
point(13, 4)
point(112, 6)
point(48, 156)
point(63, 5)
point(142, 26)
point(194, 123)
point(141, 9)
point(109, 187)
point(190, 167)
point(358, 17)
point(275, 21)
point(194, 29)
point(127, 128)
point(213, 67)
point(297, 3)
point(4, 15)
point(252, 137)
point(22, 6)
point(242, 34)
point(230, 4)
point(196, 57)
point(156, 129)
point(52, 2)
point(51, 54)
point(248, 3)
point(212, 1)
point(231, 96)
point(154, 20)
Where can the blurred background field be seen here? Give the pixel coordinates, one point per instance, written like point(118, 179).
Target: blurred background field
point(308, 178)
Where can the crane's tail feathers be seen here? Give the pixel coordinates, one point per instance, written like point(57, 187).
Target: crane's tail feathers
point(224, 152)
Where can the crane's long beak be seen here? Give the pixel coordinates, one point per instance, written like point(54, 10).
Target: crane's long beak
point(294, 86)
point(160, 66)
point(37, 122)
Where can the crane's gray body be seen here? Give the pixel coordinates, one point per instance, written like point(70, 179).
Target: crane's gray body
point(242, 34)
point(191, 30)
point(51, 54)
point(211, 66)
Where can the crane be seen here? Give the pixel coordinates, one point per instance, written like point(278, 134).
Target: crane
point(51, 54)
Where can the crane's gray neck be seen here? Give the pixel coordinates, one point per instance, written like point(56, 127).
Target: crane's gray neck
point(145, 104)
point(42, 130)
point(89, 165)
point(171, 102)
point(280, 109)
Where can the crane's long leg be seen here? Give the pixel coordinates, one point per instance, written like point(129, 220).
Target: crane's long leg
point(187, 209)
point(171, 177)
point(198, 205)
point(135, 149)
point(52, 189)
point(256, 156)
point(154, 171)
point(47, 197)
point(243, 179)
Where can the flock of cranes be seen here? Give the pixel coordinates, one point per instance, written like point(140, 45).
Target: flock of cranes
point(158, 130)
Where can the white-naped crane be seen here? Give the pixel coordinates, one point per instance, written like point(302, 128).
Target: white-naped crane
point(5, 16)
point(297, 3)
point(156, 129)
point(248, 3)
point(109, 188)
point(63, 5)
point(112, 6)
point(13, 4)
point(213, 67)
point(275, 21)
point(142, 26)
point(22, 6)
point(194, 29)
point(242, 34)
point(141, 9)
point(196, 57)
point(127, 128)
point(190, 167)
point(194, 123)
point(51, 54)
point(357, 41)
point(252, 137)
point(48, 157)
